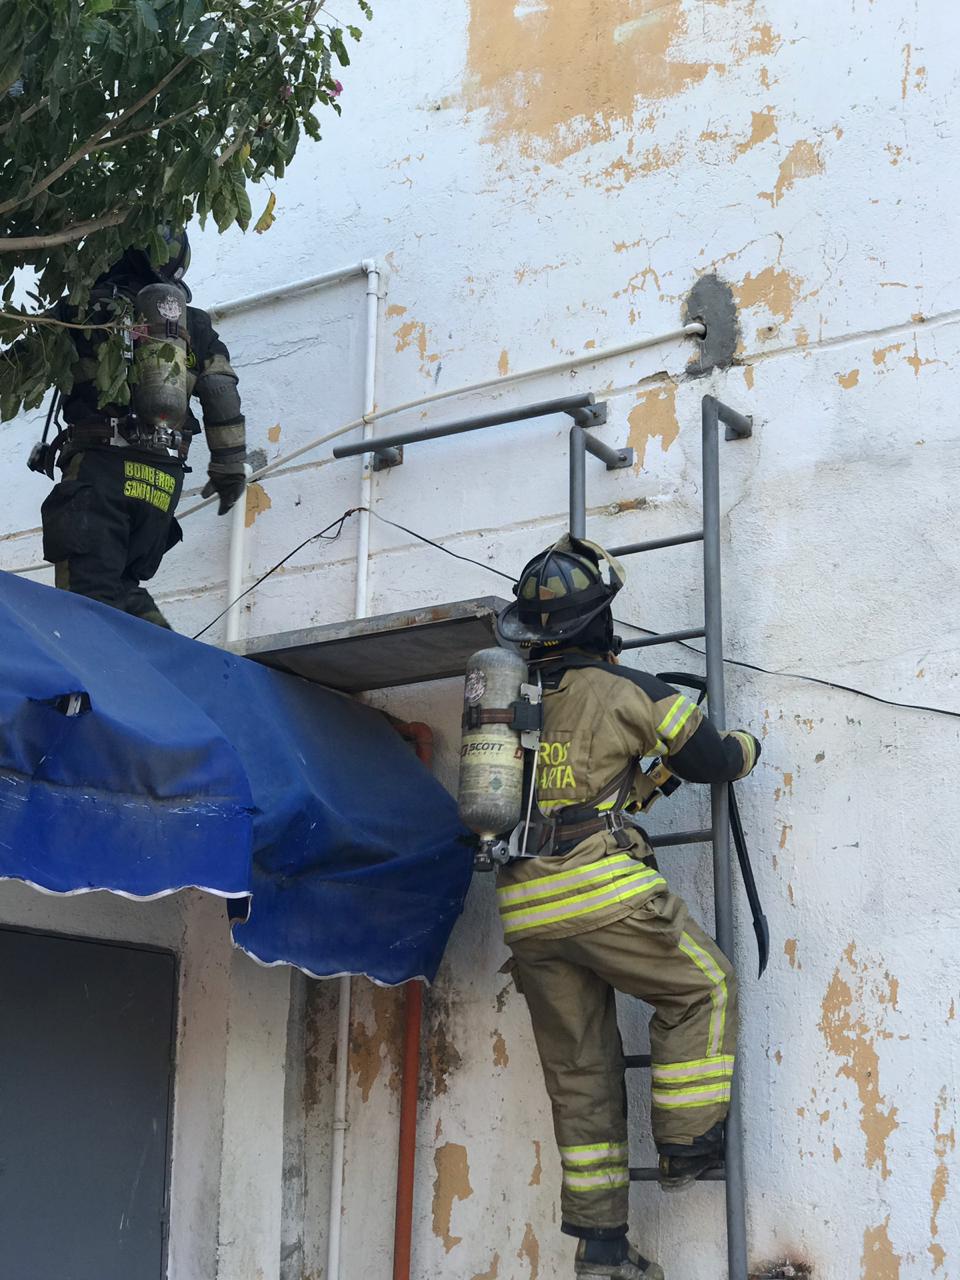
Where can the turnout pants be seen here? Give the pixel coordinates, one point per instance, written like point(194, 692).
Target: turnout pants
point(660, 955)
point(108, 524)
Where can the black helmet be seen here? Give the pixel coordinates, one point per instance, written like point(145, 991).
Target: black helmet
point(175, 267)
point(559, 594)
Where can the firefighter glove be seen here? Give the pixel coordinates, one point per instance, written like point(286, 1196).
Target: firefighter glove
point(228, 479)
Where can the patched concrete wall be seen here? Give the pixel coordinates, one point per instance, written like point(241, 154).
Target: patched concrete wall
point(540, 180)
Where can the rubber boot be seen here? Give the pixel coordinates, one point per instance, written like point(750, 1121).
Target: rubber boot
point(680, 1166)
point(598, 1260)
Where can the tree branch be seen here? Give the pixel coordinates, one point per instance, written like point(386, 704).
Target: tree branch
point(139, 133)
point(26, 244)
point(59, 324)
point(91, 143)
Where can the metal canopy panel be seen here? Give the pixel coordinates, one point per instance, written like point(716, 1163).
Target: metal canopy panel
point(419, 645)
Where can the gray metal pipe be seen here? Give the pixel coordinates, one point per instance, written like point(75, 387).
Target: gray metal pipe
point(722, 879)
point(655, 544)
point(542, 409)
point(614, 459)
point(679, 837)
point(578, 482)
point(664, 637)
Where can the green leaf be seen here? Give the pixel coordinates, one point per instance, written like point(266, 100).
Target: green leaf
point(148, 15)
point(199, 36)
point(94, 7)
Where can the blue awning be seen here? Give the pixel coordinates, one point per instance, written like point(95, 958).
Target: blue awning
point(181, 765)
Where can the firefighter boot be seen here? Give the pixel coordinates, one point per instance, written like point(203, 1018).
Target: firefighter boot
point(679, 1166)
point(613, 1260)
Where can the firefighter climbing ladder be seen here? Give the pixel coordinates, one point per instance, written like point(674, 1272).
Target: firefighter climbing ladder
point(586, 413)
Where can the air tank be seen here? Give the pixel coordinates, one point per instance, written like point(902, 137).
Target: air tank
point(490, 794)
point(160, 357)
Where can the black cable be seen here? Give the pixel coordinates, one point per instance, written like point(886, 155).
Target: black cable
point(733, 662)
point(339, 523)
point(799, 675)
point(439, 546)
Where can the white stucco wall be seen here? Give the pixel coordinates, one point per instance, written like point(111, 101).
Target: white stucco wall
point(535, 179)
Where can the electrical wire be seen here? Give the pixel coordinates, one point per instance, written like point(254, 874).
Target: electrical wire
point(732, 662)
point(440, 547)
point(324, 533)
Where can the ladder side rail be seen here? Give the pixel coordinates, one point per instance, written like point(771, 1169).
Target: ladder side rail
point(722, 878)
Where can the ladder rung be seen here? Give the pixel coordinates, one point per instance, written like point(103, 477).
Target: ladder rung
point(655, 544)
point(680, 837)
point(664, 637)
point(637, 1060)
point(653, 1175)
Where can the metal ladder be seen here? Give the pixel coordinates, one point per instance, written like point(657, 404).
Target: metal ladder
point(737, 427)
point(586, 414)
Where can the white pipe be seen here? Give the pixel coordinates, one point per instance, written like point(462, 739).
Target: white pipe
point(235, 564)
point(283, 291)
point(369, 407)
point(338, 1155)
point(339, 1131)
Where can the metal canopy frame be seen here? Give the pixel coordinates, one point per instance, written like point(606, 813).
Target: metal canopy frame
point(410, 647)
point(587, 413)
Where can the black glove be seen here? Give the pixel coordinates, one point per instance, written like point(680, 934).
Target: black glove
point(228, 480)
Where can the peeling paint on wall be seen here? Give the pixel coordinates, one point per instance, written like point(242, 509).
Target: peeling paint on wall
point(849, 380)
point(492, 1271)
point(452, 1183)
point(853, 1013)
point(878, 1260)
point(763, 126)
point(258, 501)
point(654, 415)
point(945, 1141)
point(500, 1056)
point(520, 60)
point(775, 288)
point(443, 1057)
point(803, 160)
point(372, 1047)
point(537, 1173)
point(530, 1251)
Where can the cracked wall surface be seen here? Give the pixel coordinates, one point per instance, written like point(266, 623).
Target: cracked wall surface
point(553, 179)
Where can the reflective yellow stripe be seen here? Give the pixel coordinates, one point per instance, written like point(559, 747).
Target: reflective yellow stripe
point(594, 1153)
point(526, 912)
point(704, 1096)
point(700, 1069)
point(555, 912)
point(543, 886)
point(674, 710)
point(598, 1180)
point(718, 995)
point(683, 720)
point(749, 751)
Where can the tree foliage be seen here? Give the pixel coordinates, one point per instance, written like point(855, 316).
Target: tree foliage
point(120, 116)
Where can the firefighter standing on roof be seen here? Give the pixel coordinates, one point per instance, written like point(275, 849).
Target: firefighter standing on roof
point(110, 520)
point(591, 914)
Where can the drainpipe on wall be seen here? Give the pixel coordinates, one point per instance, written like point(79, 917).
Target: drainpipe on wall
point(360, 611)
point(421, 735)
